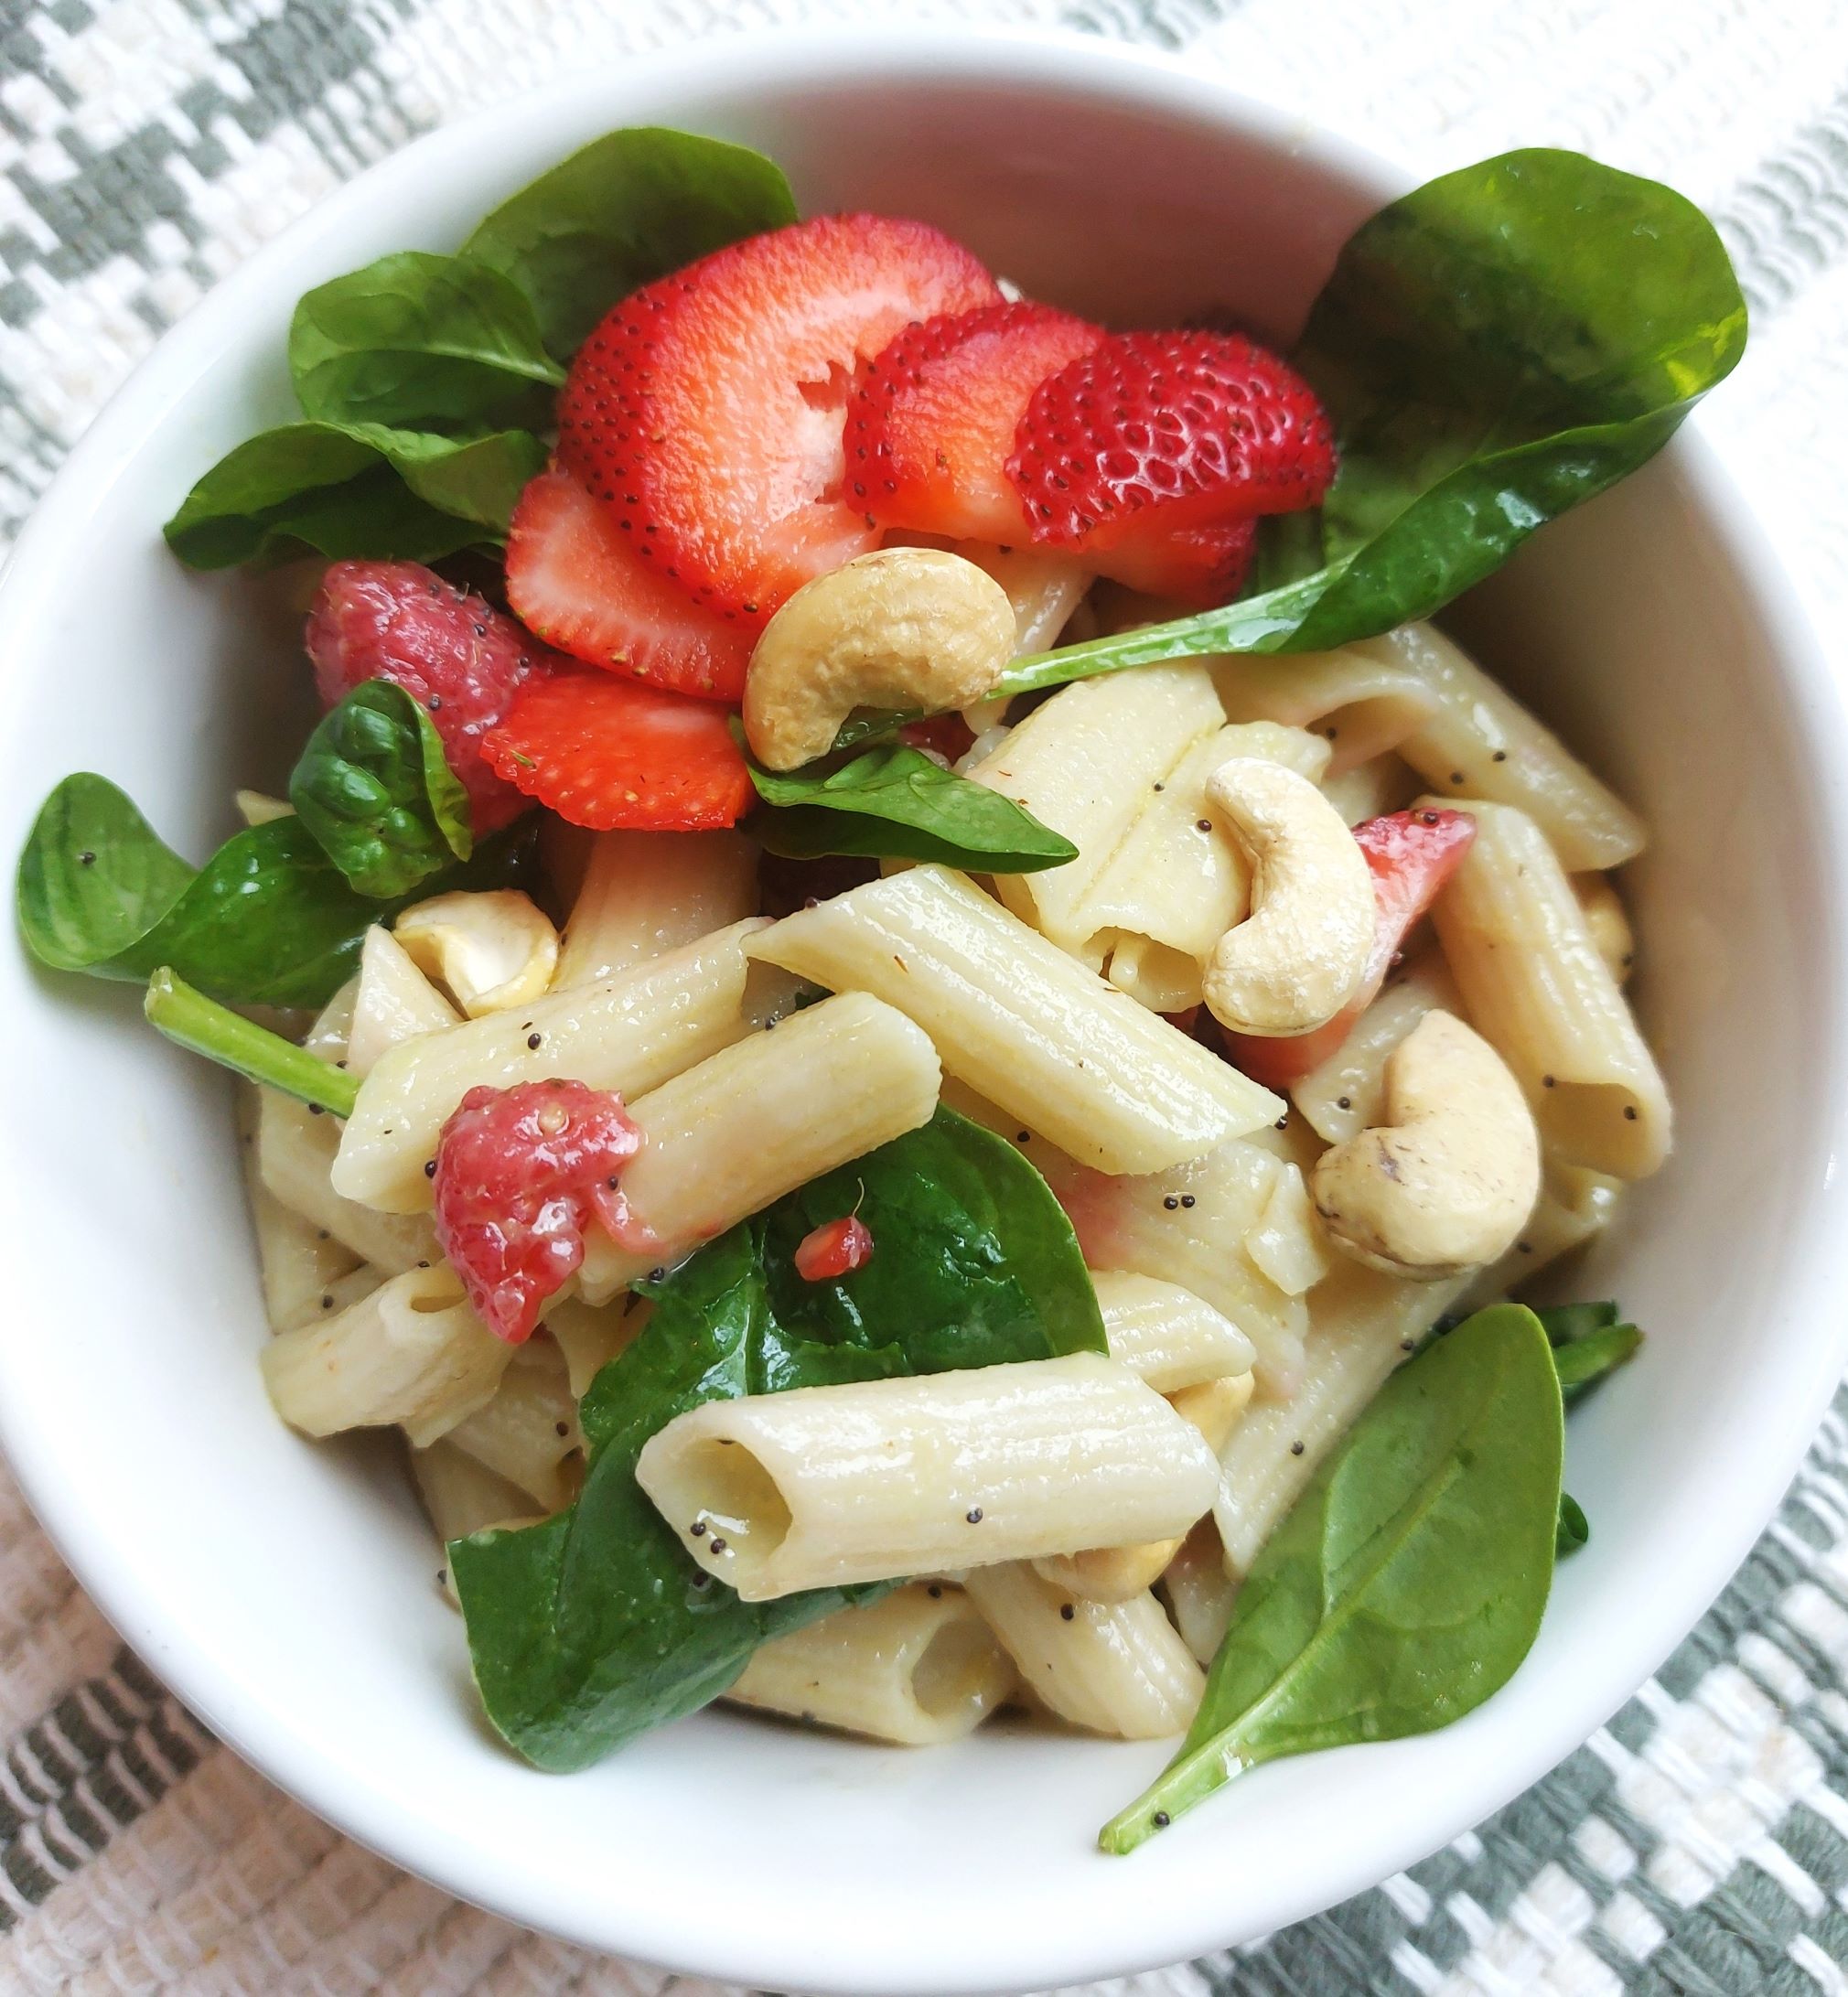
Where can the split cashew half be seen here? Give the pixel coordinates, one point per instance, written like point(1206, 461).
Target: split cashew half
point(491, 951)
point(1299, 956)
point(1450, 1179)
point(912, 628)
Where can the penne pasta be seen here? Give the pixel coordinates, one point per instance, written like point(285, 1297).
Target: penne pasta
point(394, 1002)
point(1286, 1245)
point(1480, 742)
point(296, 1259)
point(411, 1353)
point(1042, 585)
point(1537, 989)
point(1200, 1593)
point(630, 1034)
point(1361, 704)
point(1609, 923)
point(528, 1432)
point(644, 894)
point(1167, 1336)
point(1048, 1041)
point(1574, 1205)
point(463, 1496)
point(1344, 1095)
point(1361, 1325)
point(297, 1148)
point(1085, 763)
point(918, 1668)
point(1370, 789)
point(823, 1487)
point(590, 1337)
point(1116, 1668)
point(830, 1083)
point(1179, 879)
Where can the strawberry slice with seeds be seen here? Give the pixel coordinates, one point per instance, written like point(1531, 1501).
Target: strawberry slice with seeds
point(604, 751)
point(1168, 430)
point(575, 580)
point(705, 412)
point(934, 417)
point(1410, 855)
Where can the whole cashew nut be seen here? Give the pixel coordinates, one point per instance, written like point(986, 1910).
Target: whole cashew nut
point(1300, 954)
point(904, 627)
point(1449, 1180)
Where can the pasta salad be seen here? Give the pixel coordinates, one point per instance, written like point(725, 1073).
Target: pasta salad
point(907, 1015)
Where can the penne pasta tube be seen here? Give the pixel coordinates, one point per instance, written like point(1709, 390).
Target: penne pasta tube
point(630, 1034)
point(1345, 1094)
point(1359, 703)
point(1607, 920)
point(1179, 878)
point(1286, 1245)
point(1370, 789)
point(411, 1353)
point(1480, 742)
point(825, 1486)
point(1086, 763)
point(1538, 990)
point(644, 894)
point(1167, 1336)
point(918, 1668)
point(1018, 1020)
point(758, 1120)
point(1042, 586)
point(1116, 1668)
point(297, 1261)
point(297, 1148)
point(1361, 1325)
point(464, 1496)
point(528, 1432)
point(1199, 1592)
point(394, 1002)
point(1574, 1204)
point(590, 1337)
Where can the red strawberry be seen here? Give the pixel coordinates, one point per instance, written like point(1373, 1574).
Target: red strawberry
point(1410, 855)
point(1168, 430)
point(576, 581)
point(948, 735)
point(1198, 566)
point(521, 1174)
point(932, 419)
point(460, 660)
point(705, 412)
point(604, 751)
point(834, 1249)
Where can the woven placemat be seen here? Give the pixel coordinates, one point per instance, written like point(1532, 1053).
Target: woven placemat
point(1699, 1844)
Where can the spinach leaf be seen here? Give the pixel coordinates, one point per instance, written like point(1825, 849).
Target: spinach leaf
point(1407, 1582)
point(1573, 1530)
point(342, 489)
point(1498, 347)
point(895, 803)
point(269, 920)
point(1588, 1341)
point(590, 1628)
point(202, 1026)
point(374, 788)
point(424, 341)
point(623, 210)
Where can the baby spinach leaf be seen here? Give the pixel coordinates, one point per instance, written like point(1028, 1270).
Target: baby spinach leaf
point(623, 210)
point(202, 1026)
point(374, 788)
point(1498, 347)
point(344, 489)
point(269, 920)
point(895, 803)
point(1588, 1341)
point(424, 341)
point(1407, 1582)
point(1573, 1530)
point(590, 1628)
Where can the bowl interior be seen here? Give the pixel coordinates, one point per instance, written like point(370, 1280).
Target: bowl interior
point(286, 1590)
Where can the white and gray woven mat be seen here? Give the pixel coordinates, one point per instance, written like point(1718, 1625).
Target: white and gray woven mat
point(1699, 1844)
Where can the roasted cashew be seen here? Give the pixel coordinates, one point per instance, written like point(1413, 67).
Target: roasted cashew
point(490, 951)
point(1300, 954)
point(1450, 1179)
point(904, 627)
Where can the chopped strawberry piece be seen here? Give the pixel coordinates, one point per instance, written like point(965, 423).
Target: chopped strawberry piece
point(521, 1174)
point(1410, 855)
point(1198, 566)
point(604, 751)
point(705, 412)
point(574, 579)
point(948, 735)
point(834, 1249)
point(460, 660)
point(1168, 430)
point(932, 419)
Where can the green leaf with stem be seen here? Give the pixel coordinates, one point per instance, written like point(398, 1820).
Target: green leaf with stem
point(202, 1026)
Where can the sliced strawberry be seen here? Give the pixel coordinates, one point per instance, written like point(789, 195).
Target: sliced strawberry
point(834, 1249)
point(948, 735)
point(1198, 566)
point(575, 580)
point(1168, 430)
point(932, 419)
point(1410, 855)
point(604, 751)
point(705, 412)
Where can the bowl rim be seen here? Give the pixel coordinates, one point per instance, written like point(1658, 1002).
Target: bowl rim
point(936, 1956)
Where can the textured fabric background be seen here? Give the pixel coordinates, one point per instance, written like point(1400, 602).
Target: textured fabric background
point(1698, 1845)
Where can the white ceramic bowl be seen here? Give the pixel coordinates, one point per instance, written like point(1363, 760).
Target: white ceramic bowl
point(285, 1590)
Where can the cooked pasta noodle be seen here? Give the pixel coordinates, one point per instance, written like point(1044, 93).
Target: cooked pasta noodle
point(644, 894)
point(1167, 1336)
point(1344, 1094)
point(1361, 704)
point(463, 1496)
point(394, 1002)
point(296, 1149)
point(1199, 1592)
point(1381, 784)
point(1608, 921)
point(528, 1433)
point(1574, 1205)
point(296, 1259)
